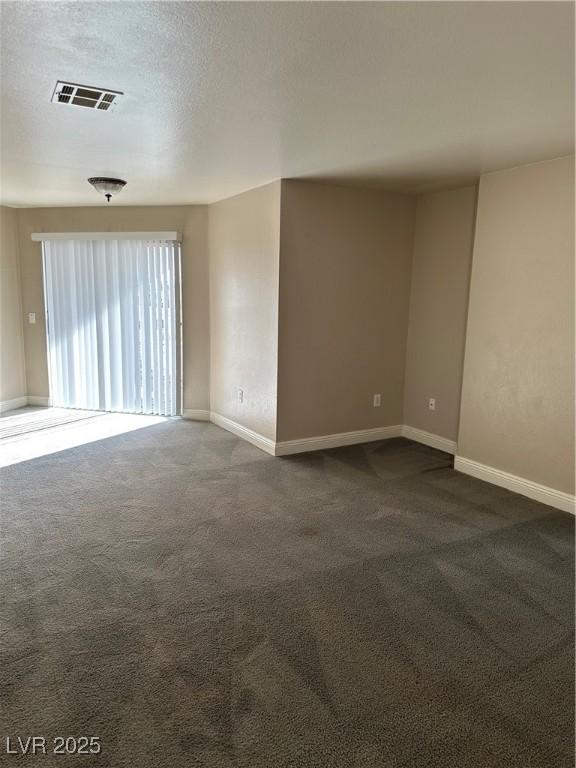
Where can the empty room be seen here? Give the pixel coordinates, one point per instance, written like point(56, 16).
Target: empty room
point(287, 392)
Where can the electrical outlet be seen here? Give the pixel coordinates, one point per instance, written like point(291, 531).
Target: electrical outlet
point(432, 404)
point(377, 401)
point(240, 395)
point(32, 318)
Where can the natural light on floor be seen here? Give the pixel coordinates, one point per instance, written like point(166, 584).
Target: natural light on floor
point(29, 433)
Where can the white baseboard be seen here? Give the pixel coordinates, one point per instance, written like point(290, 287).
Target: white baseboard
point(428, 438)
point(558, 499)
point(38, 400)
point(288, 447)
point(264, 443)
point(10, 405)
point(338, 440)
point(195, 414)
point(541, 493)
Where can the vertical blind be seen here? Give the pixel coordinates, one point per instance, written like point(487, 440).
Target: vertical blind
point(112, 324)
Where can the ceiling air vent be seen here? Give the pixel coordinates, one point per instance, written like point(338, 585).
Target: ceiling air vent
point(85, 96)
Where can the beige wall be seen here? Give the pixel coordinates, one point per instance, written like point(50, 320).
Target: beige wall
point(345, 260)
point(191, 221)
point(517, 411)
point(441, 263)
point(313, 297)
point(12, 366)
point(244, 256)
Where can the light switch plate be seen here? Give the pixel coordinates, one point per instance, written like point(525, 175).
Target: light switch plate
point(32, 318)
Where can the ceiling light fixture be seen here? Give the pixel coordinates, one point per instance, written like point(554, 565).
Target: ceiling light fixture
point(107, 187)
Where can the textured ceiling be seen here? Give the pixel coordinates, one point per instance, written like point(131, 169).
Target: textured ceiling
point(222, 97)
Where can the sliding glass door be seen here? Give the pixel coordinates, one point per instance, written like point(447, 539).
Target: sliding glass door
point(113, 323)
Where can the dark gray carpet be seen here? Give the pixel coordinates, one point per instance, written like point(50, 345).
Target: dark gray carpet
point(195, 602)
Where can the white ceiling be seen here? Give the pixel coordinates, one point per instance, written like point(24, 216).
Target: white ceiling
point(222, 97)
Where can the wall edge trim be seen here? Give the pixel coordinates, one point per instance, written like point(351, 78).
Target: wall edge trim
point(195, 414)
point(288, 447)
point(429, 438)
point(264, 443)
point(542, 493)
point(38, 400)
point(13, 403)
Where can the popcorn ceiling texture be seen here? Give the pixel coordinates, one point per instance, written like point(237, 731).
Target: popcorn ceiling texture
point(193, 601)
point(224, 97)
